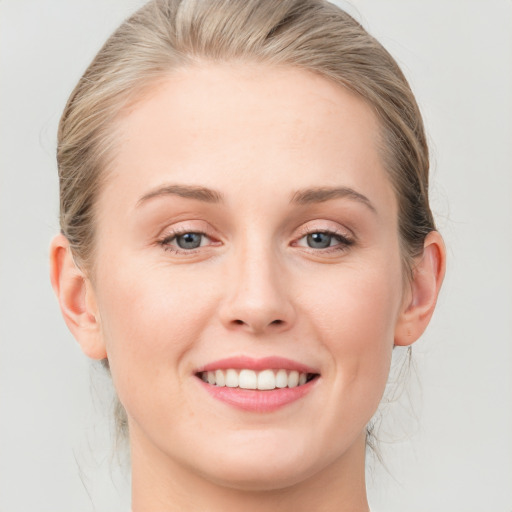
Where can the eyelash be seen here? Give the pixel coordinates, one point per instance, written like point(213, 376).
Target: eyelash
point(344, 241)
point(343, 245)
point(165, 242)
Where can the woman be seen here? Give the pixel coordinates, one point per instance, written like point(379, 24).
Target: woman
point(246, 235)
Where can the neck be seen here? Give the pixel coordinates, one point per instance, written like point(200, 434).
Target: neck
point(163, 485)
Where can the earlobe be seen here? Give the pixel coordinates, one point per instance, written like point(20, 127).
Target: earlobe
point(428, 275)
point(76, 299)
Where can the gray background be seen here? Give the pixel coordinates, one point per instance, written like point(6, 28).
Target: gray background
point(447, 442)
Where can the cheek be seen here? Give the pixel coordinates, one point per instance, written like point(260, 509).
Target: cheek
point(150, 319)
point(355, 322)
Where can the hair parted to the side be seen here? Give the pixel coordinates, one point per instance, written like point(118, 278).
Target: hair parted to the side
point(164, 35)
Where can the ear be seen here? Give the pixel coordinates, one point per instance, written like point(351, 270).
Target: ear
point(420, 301)
point(76, 299)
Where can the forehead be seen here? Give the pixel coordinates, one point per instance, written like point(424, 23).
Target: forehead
point(231, 125)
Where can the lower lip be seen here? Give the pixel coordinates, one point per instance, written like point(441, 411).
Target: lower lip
point(258, 401)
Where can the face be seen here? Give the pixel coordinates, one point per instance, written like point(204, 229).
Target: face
point(247, 236)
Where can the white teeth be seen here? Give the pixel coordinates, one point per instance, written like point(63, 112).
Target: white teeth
point(249, 379)
point(220, 380)
point(266, 380)
point(293, 379)
point(232, 379)
point(281, 379)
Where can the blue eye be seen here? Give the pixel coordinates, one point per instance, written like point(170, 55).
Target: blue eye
point(184, 242)
point(189, 240)
point(319, 240)
point(324, 240)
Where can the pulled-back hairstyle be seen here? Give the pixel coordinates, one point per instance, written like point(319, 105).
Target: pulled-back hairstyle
point(164, 35)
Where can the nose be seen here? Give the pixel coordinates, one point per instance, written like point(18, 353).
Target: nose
point(257, 299)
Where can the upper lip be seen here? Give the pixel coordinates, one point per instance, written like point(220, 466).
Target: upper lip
point(256, 364)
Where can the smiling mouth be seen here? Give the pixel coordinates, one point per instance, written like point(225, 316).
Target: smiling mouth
point(265, 380)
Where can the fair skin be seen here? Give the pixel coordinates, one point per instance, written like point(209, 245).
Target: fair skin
point(240, 157)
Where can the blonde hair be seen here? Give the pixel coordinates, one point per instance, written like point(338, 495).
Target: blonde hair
point(166, 34)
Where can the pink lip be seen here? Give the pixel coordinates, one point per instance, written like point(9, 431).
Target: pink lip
point(256, 400)
point(241, 362)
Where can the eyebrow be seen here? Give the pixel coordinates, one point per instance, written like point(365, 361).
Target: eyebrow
point(188, 191)
point(322, 194)
point(301, 197)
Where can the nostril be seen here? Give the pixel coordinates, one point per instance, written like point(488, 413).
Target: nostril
point(256, 325)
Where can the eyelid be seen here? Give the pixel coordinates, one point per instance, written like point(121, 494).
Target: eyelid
point(344, 242)
point(170, 233)
point(344, 236)
point(188, 226)
point(325, 227)
point(172, 236)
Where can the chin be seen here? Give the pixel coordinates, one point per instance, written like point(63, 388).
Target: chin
point(259, 477)
point(262, 467)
